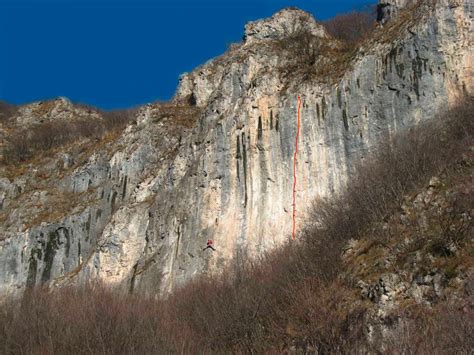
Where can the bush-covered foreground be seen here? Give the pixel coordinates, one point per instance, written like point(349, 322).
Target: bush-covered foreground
point(300, 297)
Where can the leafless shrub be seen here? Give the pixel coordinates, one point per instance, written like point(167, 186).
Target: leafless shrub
point(117, 118)
point(451, 229)
point(310, 57)
point(351, 28)
point(270, 307)
point(302, 45)
point(184, 113)
point(24, 144)
point(75, 321)
point(444, 329)
point(7, 110)
point(400, 166)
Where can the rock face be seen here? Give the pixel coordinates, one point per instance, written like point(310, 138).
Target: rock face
point(389, 9)
point(136, 211)
point(281, 24)
point(54, 110)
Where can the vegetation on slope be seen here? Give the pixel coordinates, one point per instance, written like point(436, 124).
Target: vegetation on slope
point(353, 27)
point(305, 295)
point(23, 144)
point(308, 58)
point(6, 111)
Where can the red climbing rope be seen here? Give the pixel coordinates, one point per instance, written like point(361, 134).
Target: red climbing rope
point(294, 167)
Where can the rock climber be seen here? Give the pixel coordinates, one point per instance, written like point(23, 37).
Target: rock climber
point(209, 245)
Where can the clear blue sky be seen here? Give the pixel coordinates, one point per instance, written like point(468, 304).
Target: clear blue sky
point(122, 53)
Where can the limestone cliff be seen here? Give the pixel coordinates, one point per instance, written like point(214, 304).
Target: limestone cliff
point(134, 210)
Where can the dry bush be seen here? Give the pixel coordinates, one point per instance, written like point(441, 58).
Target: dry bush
point(351, 28)
point(397, 167)
point(310, 58)
point(302, 45)
point(75, 321)
point(24, 144)
point(7, 110)
point(307, 57)
point(269, 306)
point(183, 113)
point(443, 329)
point(325, 317)
point(117, 119)
point(452, 229)
point(299, 51)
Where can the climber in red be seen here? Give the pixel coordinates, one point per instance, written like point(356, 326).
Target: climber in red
point(209, 245)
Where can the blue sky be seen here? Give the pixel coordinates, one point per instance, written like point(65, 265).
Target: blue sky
point(122, 53)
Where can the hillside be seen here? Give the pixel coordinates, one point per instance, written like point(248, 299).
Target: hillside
point(386, 266)
point(129, 200)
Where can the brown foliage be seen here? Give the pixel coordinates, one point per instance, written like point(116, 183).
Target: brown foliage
point(444, 329)
point(182, 114)
point(6, 110)
point(351, 28)
point(311, 57)
point(75, 321)
point(398, 167)
point(24, 144)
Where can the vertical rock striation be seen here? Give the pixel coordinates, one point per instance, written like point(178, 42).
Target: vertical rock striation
point(148, 205)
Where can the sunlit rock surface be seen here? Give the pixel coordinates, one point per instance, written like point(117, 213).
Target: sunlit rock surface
point(135, 212)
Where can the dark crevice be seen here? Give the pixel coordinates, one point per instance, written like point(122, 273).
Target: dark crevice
point(124, 190)
point(244, 154)
point(134, 275)
point(323, 108)
point(50, 252)
point(339, 97)
point(344, 119)
point(177, 242)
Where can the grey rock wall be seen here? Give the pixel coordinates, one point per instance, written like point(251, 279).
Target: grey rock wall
point(149, 204)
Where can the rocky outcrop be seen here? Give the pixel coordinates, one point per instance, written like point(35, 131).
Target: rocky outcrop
point(420, 255)
point(136, 211)
point(281, 24)
point(388, 9)
point(60, 109)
